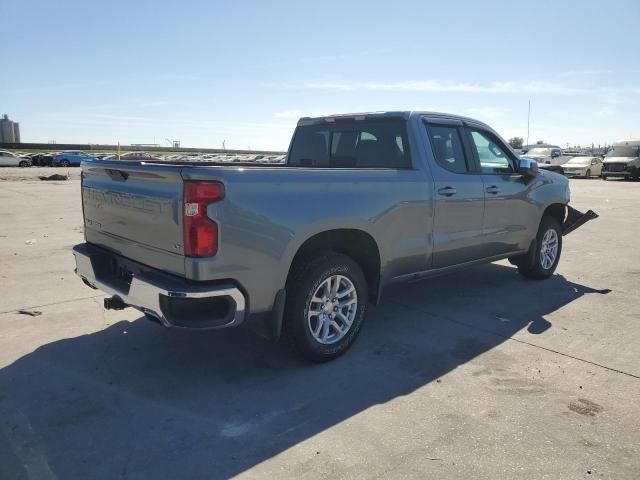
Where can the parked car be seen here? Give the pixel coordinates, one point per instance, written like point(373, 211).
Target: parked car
point(70, 158)
point(104, 155)
point(138, 156)
point(623, 160)
point(10, 159)
point(583, 167)
point(363, 202)
point(549, 158)
point(42, 159)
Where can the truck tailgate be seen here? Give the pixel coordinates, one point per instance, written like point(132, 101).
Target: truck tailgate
point(135, 210)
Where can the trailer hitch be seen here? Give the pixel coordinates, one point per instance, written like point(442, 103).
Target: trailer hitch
point(575, 219)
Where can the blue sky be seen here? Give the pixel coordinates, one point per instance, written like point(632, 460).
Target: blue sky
point(205, 71)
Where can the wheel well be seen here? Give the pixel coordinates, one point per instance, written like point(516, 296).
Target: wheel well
point(356, 244)
point(557, 211)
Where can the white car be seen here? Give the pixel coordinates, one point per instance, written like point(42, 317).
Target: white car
point(8, 159)
point(549, 158)
point(583, 167)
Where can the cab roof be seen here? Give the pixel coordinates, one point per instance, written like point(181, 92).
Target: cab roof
point(403, 114)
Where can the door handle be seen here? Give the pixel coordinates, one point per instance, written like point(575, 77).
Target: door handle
point(493, 189)
point(447, 191)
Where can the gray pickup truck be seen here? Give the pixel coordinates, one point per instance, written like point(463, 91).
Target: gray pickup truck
point(363, 201)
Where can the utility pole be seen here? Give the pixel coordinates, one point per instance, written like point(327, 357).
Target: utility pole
point(528, 122)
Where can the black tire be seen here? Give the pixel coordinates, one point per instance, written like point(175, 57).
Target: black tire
point(23, 164)
point(587, 174)
point(64, 163)
point(604, 177)
point(302, 286)
point(532, 267)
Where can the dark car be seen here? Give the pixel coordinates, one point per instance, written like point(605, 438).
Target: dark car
point(42, 159)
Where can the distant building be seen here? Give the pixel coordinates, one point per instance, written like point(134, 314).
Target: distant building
point(9, 130)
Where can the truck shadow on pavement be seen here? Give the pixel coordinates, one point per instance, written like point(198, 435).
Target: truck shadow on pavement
point(138, 401)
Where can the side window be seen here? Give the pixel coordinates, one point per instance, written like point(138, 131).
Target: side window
point(493, 158)
point(447, 148)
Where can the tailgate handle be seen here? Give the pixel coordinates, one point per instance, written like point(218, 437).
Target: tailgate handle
point(117, 175)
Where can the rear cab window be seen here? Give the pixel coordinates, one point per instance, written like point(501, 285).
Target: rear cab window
point(350, 143)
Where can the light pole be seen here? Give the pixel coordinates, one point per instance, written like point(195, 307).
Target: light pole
point(528, 122)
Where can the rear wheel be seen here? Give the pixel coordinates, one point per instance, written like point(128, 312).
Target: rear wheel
point(64, 163)
point(326, 304)
point(543, 260)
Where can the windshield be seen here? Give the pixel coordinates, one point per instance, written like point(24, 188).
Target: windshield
point(539, 152)
point(623, 151)
point(579, 160)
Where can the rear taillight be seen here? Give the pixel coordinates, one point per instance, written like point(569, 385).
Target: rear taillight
point(200, 232)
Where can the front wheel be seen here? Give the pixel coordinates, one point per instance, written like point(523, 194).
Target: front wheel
point(542, 262)
point(64, 163)
point(588, 174)
point(326, 304)
point(23, 164)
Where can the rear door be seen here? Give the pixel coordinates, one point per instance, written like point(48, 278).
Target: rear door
point(459, 196)
point(507, 211)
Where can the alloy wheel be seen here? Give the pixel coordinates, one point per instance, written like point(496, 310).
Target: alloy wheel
point(332, 309)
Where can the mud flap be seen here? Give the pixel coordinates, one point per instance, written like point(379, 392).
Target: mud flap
point(575, 219)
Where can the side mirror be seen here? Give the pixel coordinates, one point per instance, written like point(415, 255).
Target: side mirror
point(528, 168)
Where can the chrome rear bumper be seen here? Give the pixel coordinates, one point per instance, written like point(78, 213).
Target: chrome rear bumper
point(157, 294)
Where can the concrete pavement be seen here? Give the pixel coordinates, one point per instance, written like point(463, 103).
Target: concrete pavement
point(479, 374)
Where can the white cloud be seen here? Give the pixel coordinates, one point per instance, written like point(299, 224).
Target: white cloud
point(434, 85)
point(296, 114)
point(585, 73)
point(52, 87)
point(485, 112)
point(447, 86)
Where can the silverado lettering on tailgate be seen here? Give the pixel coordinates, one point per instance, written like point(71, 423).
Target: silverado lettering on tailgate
point(98, 199)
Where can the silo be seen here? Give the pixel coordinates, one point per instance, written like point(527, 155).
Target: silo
point(6, 130)
point(16, 132)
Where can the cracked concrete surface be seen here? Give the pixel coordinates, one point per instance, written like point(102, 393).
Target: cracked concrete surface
point(479, 374)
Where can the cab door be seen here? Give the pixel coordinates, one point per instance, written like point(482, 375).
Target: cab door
point(6, 159)
point(509, 216)
point(459, 196)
